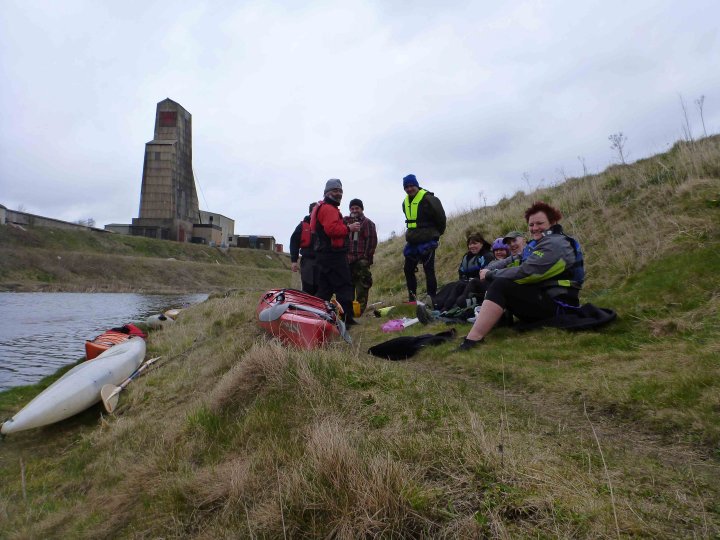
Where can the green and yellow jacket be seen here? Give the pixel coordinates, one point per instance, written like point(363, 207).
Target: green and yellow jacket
point(555, 263)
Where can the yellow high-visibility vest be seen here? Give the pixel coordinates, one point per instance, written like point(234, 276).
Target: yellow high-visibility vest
point(411, 208)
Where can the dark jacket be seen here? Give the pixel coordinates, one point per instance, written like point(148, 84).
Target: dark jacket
point(362, 246)
point(431, 220)
point(555, 263)
point(471, 265)
point(295, 249)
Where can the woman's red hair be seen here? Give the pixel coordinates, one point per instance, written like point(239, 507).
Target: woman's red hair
point(553, 214)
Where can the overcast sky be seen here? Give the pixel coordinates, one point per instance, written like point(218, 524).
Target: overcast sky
point(478, 99)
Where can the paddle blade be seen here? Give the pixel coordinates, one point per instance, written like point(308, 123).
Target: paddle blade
point(343, 331)
point(273, 313)
point(110, 395)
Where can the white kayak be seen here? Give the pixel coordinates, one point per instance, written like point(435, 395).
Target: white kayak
point(79, 388)
point(173, 313)
point(156, 322)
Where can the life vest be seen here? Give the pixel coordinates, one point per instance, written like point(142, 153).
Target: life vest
point(320, 241)
point(470, 266)
point(577, 270)
point(411, 209)
point(574, 275)
point(305, 235)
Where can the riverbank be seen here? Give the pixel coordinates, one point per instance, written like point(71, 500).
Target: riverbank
point(606, 433)
point(54, 260)
point(230, 427)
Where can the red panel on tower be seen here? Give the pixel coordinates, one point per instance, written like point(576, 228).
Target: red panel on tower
point(168, 118)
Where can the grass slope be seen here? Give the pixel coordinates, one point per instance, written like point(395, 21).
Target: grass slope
point(543, 434)
point(58, 260)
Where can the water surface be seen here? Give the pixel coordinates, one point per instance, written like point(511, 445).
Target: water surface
point(41, 332)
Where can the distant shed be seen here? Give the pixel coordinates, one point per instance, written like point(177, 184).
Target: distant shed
point(254, 242)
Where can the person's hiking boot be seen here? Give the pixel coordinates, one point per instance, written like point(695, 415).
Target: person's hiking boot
point(468, 344)
point(351, 322)
point(423, 314)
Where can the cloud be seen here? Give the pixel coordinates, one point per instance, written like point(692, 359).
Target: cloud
point(469, 96)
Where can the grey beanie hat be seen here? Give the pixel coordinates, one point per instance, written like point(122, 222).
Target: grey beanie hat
point(333, 183)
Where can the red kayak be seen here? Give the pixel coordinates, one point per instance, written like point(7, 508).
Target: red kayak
point(299, 319)
point(109, 338)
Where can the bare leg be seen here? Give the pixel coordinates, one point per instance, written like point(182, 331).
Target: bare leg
point(490, 314)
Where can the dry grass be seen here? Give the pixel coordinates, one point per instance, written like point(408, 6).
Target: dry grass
point(54, 260)
point(625, 217)
point(234, 436)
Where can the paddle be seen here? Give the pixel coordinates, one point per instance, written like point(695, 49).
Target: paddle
point(110, 393)
point(337, 321)
point(273, 313)
point(343, 331)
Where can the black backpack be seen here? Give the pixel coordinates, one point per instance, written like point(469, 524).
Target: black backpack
point(584, 317)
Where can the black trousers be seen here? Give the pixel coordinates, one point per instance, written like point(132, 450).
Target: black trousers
point(457, 293)
point(474, 288)
point(428, 263)
point(308, 275)
point(333, 277)
point(527, 302)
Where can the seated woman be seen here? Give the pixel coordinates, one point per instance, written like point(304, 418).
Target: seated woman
point(478, 256)
point(475, 288)
point(551, 276)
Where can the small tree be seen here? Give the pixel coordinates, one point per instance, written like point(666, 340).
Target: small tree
point(686, 126)
point(89, 222)
point(700, 102)
point(617, 143)
point(582, 162)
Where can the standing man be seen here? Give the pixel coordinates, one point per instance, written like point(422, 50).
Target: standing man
point(425, 219)
point(360, 254)
point(301, 244)
point(330, 242)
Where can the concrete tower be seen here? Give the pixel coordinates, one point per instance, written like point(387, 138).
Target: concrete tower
point(168, 200)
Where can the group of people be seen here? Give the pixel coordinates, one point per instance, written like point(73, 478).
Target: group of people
point(511, 276)
point(538, 280)
point(335, 252)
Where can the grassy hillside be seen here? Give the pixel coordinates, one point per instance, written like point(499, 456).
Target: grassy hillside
point(58, 260)
point(544, 434)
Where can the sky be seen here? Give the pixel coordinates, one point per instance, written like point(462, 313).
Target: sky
point(477, 99)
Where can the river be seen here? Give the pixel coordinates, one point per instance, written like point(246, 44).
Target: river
point(41, 332)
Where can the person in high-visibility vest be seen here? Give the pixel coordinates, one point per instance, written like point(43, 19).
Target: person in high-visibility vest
point(425, 221)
